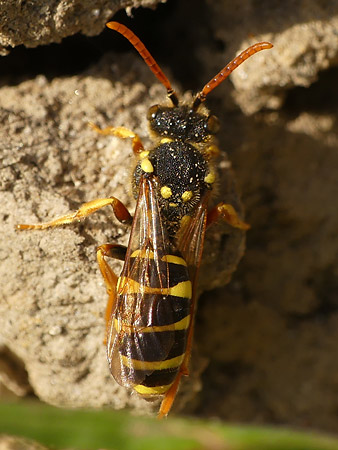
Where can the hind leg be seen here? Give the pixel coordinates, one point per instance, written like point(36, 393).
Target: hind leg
point(110, 278)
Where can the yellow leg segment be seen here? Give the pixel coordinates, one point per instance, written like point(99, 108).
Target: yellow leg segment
point(110, 278)
point(169, 398)
point(227, 213)
point(85, 210)
point(122, 133)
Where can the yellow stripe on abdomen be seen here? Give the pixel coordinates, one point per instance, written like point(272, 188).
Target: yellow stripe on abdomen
point(152, 390)
point(150, 254)
point(152, 365)
point(126, 285)
point(180, 325)
point(151, 355)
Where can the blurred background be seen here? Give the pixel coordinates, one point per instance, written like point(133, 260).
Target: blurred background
point(265, 349)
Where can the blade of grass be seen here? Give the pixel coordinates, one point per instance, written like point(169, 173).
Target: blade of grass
point(89, 430)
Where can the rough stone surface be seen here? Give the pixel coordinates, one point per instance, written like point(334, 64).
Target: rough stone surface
point(43, 22)
point(54, 298)
point(267, 342)
point(304, 38)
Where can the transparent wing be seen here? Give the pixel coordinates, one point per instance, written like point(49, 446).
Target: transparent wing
point(141, 304)
point(190, 243)
point(190, 238)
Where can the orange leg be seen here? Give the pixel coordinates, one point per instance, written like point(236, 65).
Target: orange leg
point(122, 133)
point(169, 398)
point(227, 213)
point(110, 278)
point(110, 250)
point(85, 210)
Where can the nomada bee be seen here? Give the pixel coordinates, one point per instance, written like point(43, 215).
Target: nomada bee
point(151, 306)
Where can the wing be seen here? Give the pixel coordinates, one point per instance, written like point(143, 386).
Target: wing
point(190, 241)
point(135, 350)
point(190, 238)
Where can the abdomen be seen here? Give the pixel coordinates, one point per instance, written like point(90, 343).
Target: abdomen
point(151, 323)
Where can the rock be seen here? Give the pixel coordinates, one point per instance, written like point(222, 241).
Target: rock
point(44, 22)
point(267, 341)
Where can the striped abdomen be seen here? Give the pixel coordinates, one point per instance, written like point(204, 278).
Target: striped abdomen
point(151, 322)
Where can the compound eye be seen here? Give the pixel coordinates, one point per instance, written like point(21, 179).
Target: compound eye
point(152, 112)
point(213, 125)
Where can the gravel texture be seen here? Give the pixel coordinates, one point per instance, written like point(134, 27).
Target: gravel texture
point(267, 342)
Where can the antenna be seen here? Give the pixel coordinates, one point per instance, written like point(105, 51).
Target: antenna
point(148, 59)
point(226, 71)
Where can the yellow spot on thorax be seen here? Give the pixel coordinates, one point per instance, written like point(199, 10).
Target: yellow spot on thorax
point(146, 165)
point(210, 178)
point(143, 154)
point(186, 196)
point(166, 192)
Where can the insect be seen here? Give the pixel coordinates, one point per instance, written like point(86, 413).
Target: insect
point(151, 306)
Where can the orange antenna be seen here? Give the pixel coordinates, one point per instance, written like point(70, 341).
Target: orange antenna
point(226, 71)
point(148, 59)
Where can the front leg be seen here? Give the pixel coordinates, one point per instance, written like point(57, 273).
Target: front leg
point(122, 133)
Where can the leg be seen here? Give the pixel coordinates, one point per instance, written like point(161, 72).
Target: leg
point(169, 398)
point(85, 210)
point(110, 278)
point(122, 133)
point(227, 213)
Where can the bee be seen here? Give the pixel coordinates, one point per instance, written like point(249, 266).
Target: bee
point(152, 304)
